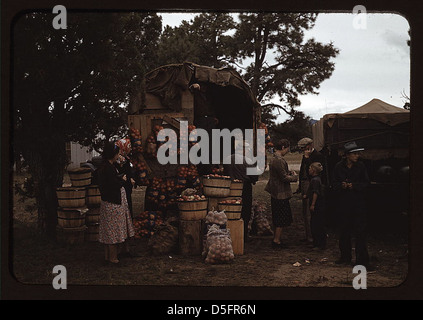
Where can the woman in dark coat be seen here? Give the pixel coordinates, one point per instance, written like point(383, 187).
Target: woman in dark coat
point(125, 168)
point(115, 221)
point(280, 191)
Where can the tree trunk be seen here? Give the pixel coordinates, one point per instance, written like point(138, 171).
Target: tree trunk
point(47, 169)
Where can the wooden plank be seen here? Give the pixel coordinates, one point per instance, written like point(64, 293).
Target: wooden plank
point(236, 229)
point(172, 121)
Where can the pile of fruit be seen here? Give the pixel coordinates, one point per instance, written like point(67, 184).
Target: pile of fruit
point(231, 201)
point(218, 246)
point(145, 223)
point(214, 175)
point(216, 217)
point(136, 142)
point(268, 141)
point(188, 177)
point(151, 146)
point(259, 222)
point(194, 197)
point(217, 170)
point(162, 193)
point(140, 168)
point(164, 240)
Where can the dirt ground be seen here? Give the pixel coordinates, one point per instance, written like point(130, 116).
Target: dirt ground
point(33, 259)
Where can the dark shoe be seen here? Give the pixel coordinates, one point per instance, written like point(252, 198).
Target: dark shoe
point(108, 263)
point(276, 245)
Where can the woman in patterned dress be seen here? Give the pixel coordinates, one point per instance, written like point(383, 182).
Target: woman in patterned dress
point(115, 222)
point(280, 191)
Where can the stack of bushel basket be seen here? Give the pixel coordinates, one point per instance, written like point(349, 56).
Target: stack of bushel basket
point(232, 206)
point(216, 188)
point(72, 207)
point(192, 211)
point(225, 194)
point(92, 218)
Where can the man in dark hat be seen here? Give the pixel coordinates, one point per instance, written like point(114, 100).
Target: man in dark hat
point(350, 180)
point(310, 155)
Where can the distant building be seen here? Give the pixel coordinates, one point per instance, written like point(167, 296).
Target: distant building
point(78, 154)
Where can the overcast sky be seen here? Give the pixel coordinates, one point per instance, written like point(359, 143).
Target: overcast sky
point(373, 62)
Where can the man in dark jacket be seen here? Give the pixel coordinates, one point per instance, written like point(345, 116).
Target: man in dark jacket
point(239, 172)
point(350, 180)
point(310, 155)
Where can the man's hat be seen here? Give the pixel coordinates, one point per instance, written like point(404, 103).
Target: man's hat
point(304, 142)
point(352, 147)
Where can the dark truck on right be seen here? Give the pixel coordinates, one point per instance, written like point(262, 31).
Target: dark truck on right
point(383, 130)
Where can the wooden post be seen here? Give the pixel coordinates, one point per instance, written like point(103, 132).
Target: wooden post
point(190, 237)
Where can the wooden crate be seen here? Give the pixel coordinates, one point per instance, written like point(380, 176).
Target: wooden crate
point(236, 229)
point(190, 237)
point(138, 200)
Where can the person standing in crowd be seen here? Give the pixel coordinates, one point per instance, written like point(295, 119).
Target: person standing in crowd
point(350, 180)
point(115, 221)
point(310, 155)
point(124, 167)
point(239, 172)
point(280, 191)
point(317, 206)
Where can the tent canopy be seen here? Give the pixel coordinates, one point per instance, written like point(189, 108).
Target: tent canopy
point(376, 123)
point(375, 109)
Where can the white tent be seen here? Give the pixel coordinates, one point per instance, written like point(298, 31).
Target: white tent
point(375, 110)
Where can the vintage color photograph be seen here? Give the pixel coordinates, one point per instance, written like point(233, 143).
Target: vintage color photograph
point(91, 92)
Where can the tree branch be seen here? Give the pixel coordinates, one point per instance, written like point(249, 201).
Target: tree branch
point(290, 112)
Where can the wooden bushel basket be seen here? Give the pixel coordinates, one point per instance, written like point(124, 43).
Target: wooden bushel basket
point(92, 216)
point(71, 197)
point(71, 236)
point(192, 210)
point(80, 177)
point(236, 189)
point(91, 234)
point(93, 196)
point(71, 217)
point(216, 187)
point(232, 210)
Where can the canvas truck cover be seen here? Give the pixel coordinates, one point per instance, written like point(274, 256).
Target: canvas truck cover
point(374, 120)
point(167, 81)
